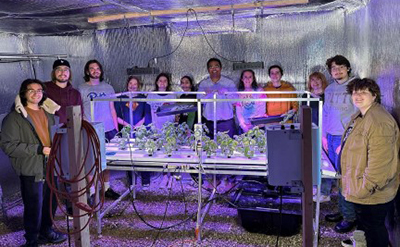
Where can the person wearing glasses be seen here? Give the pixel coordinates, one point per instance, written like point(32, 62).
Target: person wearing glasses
point(369, 161)
point(337, 111)
point(25, 138)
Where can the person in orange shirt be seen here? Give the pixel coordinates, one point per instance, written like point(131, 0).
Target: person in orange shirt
point(276, 84)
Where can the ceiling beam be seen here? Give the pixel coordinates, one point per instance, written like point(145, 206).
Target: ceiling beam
point(153, 13)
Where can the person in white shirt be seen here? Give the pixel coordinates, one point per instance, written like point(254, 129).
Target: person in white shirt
point(217, 83)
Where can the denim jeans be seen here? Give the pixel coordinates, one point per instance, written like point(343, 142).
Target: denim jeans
point(36, 200)
point(333, 144)
point(371, 219)
point(346, 208)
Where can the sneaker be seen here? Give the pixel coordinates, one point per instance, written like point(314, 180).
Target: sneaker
point(357, 240)
point(111, 194)
point(145, 183)
point(344, 226)
point(347, 243)
point(52, 237)
point(335, 217)
point(322, 198)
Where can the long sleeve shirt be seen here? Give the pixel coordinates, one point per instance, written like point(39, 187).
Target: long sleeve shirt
point(224, 109)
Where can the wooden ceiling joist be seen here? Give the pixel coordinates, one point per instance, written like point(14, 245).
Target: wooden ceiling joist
point(154, 13)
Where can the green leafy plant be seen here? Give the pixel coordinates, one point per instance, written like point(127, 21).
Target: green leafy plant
point(209, 146)
point(150, 147)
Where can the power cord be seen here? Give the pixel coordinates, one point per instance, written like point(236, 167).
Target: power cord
point(190, 10)
point(54, 172)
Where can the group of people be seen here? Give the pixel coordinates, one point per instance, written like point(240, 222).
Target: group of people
point(359, 135)
point(362, 141)
point(224, 87)
point(26, 139)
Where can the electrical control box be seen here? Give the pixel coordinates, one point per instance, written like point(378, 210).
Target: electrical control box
point(284, 146)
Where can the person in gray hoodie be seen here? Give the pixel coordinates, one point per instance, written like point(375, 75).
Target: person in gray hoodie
point(337, 111)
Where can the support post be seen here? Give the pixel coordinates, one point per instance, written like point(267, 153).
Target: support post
point(75, 153)
point(306, 173)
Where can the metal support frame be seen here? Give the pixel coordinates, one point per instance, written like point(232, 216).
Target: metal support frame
point(74, 126)
point(307, 205)
point(230, 167)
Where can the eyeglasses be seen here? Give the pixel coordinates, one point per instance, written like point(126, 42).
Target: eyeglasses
point(361, 93)
point(33, 91)
point(336, 68)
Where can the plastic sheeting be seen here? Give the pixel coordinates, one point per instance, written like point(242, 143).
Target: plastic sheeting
point(44, 17)
point(301, 42)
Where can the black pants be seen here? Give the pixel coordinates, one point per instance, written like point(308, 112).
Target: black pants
point(146, 176)
point(36, 199)
point(110, 134)
point(222, 125)
point(371, 220)
point(394, 211)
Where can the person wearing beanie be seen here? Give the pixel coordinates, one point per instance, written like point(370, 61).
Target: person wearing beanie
point(60, 89)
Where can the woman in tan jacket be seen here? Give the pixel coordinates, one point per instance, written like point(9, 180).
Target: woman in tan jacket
point(369, 161)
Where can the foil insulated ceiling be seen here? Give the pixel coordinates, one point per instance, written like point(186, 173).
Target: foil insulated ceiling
point(72, 17)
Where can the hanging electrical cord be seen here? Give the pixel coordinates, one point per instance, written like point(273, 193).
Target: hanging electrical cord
point(54, 172)
point(183, 36)
point(208, 42)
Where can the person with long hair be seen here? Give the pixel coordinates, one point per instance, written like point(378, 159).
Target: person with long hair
point(123, 109)
point(316, 86)
point(139, 109)
point(104, 111)
point(162, 84)
point(245, 110)
point(187, 85)
point(60, 89)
